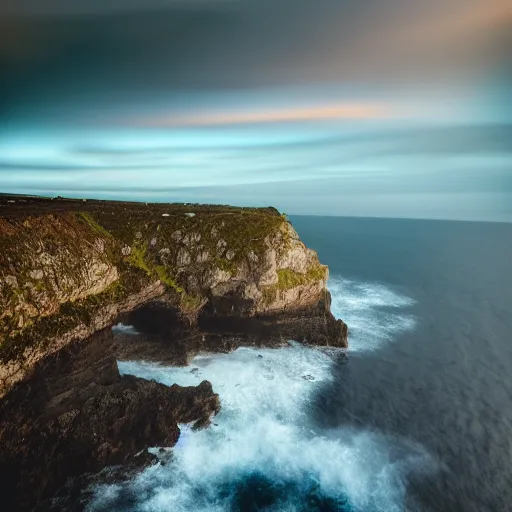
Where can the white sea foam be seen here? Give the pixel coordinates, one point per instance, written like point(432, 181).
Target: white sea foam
point(124, 329)
point(263, 439)
point(264, 431)
point(373, 312)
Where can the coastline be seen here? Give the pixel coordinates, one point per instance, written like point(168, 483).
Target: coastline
point(190, 278)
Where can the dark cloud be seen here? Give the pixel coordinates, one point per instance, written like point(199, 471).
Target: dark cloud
point(52, 8)
point(134, 46)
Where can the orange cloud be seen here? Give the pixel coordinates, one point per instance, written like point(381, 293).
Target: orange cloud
point(476, 19)
point(319, 113)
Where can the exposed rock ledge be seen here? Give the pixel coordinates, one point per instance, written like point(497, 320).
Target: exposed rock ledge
point(190, 277)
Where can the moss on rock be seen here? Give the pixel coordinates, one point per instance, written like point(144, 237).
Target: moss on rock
point(63, 263)
point(93, 224)
point(219, 238)
point(70, 315)
point(288, 279)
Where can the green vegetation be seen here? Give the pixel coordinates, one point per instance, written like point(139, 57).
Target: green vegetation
point(137, 257)
point(288, 279)
point(164, 276)
point(226, 265)
point(93, 224)
point(242, 230)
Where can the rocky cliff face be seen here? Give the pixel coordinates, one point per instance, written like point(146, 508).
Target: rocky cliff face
point(189, 278)
point(76, 415)
point(70, 268)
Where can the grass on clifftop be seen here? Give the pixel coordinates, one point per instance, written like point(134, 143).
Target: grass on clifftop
point(94, 225)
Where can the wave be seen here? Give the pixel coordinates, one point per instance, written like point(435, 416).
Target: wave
point(124, 329)
point(374, 313)
point(263, 452)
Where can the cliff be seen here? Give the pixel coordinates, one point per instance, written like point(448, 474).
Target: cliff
point(190, 278)
point(71, 268)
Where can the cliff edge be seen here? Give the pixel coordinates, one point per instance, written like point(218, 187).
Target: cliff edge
point(71, 268)
point(189, 278)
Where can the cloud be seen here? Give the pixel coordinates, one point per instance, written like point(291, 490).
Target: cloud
point(99, 7)
point(283, 115)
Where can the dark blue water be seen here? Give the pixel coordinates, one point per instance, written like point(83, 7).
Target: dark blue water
point(446, 383)
point(417, 417)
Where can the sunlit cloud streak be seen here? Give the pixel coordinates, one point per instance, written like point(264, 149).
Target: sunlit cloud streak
point(298, 114)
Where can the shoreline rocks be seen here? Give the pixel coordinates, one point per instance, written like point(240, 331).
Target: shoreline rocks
point(77, 415)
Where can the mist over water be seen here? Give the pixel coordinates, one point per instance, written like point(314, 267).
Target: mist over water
point(264, 450)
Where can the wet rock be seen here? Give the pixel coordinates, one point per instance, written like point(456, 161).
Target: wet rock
point(77, 415)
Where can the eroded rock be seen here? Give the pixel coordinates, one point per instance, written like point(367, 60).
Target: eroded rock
point(77, 414)
point(183, 258)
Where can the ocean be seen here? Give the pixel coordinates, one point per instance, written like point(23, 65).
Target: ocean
point(415, 416)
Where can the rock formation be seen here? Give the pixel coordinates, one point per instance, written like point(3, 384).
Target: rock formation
point(76, 414)
point(189, 277)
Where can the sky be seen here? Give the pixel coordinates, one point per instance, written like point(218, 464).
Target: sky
point(389, 108)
